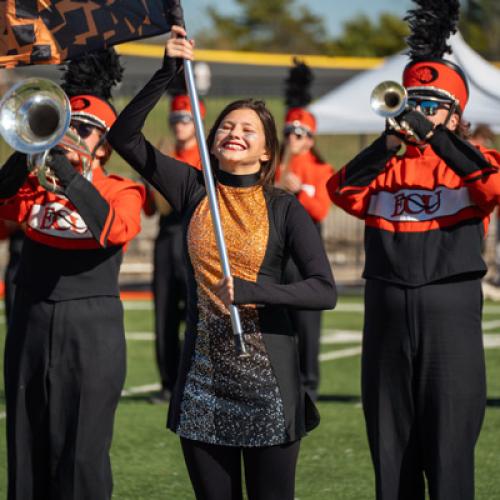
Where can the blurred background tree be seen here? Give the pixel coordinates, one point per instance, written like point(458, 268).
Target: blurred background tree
point(364, 38)
point(480, 26)
point(287, 27)
point(269, 26)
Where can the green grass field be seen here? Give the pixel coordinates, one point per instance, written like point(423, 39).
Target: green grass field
point(334, 461)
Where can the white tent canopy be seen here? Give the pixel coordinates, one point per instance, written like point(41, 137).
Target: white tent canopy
point(346, 110)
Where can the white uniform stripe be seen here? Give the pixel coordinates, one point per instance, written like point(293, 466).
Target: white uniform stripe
point(416, 205)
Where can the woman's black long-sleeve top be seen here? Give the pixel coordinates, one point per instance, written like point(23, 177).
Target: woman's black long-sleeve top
point(220, 398)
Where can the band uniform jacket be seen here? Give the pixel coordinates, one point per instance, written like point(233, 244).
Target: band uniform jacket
point(96, 233)
point(313, 175)
point(425, 213)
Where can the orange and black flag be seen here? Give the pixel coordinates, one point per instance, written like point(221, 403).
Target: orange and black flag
point(51, 31)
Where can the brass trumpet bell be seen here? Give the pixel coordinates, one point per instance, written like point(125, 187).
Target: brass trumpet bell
point(35, 116)
point(389, 99)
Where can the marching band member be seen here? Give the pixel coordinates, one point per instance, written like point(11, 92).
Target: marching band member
point(426, 212)
point(304, 173)
point(65, 347)
point(224, 407)
point(170, 273)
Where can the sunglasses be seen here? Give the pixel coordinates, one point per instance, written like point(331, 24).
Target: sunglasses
point(427, 107)
point(83, 129)
point(299, 132)
point(183, 118)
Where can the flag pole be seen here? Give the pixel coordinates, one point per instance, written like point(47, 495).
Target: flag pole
point(177, 18)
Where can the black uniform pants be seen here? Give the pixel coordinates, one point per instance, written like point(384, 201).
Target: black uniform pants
point(423, 387)
point(15, 248)
point(64, 372)
point(215, 471)
point(169, 288)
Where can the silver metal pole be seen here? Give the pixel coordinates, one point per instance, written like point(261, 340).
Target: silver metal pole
point(212, 199)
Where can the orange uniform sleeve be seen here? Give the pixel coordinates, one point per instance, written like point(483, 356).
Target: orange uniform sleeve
point(484, 187)
point(318, 204)
point(17, 207)
point(353, 199)
point(124, 219)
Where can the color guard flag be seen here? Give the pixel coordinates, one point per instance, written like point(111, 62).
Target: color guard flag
point(51, 31)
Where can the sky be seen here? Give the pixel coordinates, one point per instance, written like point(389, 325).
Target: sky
point(334, 12)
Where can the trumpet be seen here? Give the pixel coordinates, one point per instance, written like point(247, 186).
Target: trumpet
point(35, 116)
point(389, 99)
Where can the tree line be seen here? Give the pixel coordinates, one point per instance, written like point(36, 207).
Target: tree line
point(289, 27)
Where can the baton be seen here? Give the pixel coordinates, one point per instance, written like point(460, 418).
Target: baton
point(177, 17)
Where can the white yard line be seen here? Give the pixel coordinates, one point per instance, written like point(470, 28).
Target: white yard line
point(331, 336)
point(149, 336)
point(359, 307)
point(141, 389)
point(350, 307)
point(342, 353)
point(490, 325)
point(147, 305)
point(491, 341)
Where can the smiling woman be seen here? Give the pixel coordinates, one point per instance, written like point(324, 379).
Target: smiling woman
point(239, 143)
point(225, 408)
point(243, 140)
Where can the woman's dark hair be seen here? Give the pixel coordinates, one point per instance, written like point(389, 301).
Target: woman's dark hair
point(268, 168)
point(463, 126)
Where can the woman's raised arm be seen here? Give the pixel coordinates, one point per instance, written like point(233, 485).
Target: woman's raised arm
point(175, 180)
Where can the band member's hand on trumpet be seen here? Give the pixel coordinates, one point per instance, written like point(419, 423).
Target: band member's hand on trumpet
point(416, 123)
point(411, 115)
point(60, 164)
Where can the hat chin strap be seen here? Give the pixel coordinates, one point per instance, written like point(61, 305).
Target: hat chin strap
point(451, 111)
point(102, 142)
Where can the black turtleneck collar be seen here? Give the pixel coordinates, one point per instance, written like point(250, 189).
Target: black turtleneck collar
point(233, 180)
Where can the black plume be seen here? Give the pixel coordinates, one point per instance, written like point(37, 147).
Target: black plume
point(298, 84)
point(431, 24)
point(94, 73)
